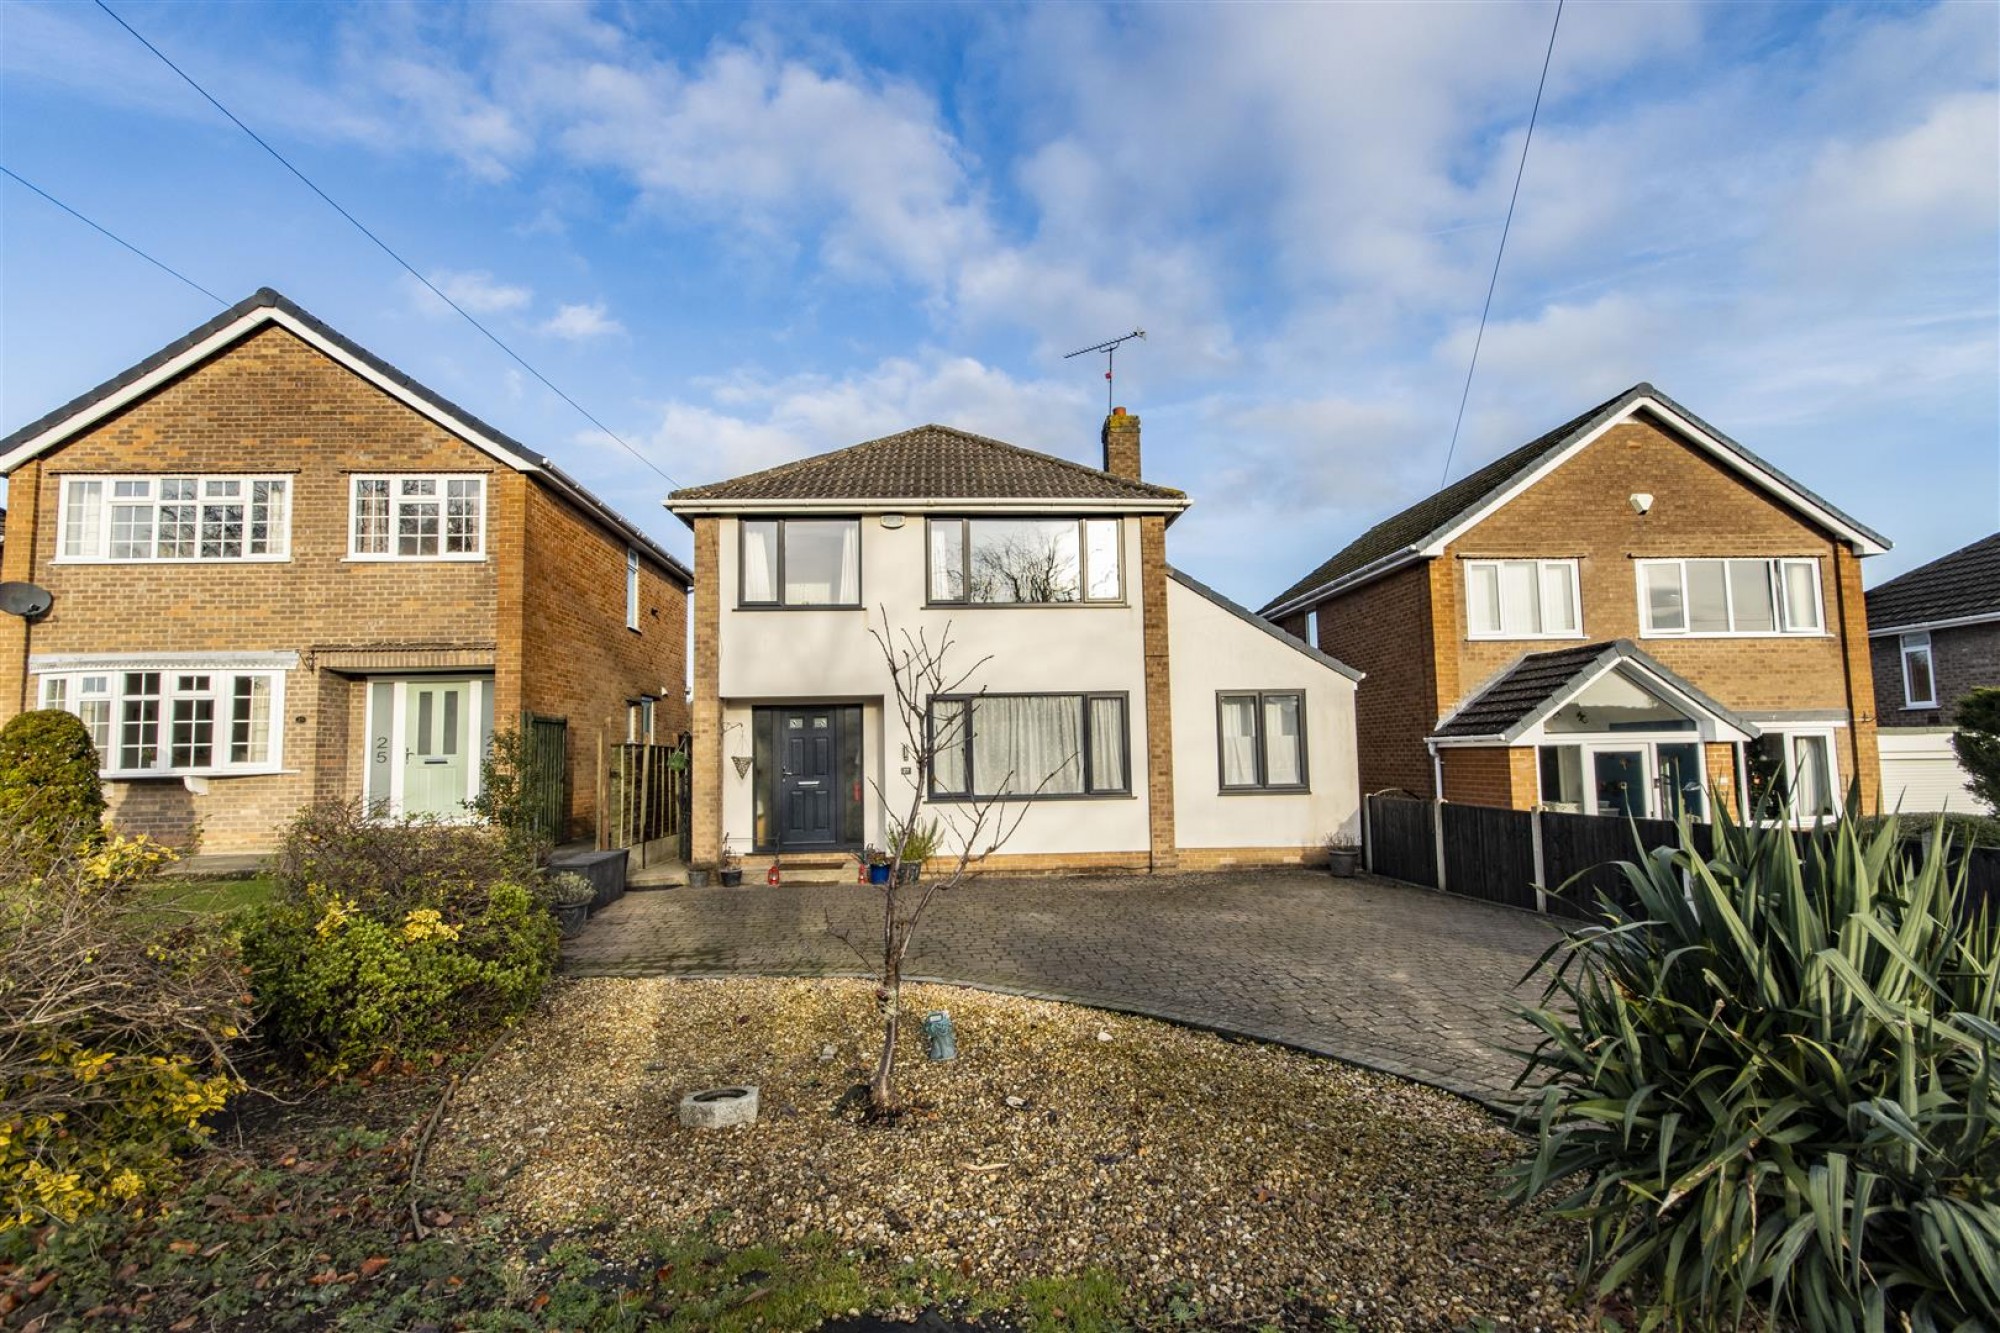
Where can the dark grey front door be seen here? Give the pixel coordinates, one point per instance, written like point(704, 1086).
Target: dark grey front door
point(809, 796)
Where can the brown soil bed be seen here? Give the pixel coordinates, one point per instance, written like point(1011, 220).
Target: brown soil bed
point(1252, 1180)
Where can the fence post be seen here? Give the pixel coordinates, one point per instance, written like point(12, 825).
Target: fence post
point(598, 773)
point(1541, 866)
point(1437, 840)
point(1368, 833)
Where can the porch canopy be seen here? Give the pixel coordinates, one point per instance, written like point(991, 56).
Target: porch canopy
point(1595, 689)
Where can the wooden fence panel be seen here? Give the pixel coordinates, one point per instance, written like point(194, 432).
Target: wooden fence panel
point(1489, 854)
point(1402, 841)
point(647, 790)
point(1590, 847)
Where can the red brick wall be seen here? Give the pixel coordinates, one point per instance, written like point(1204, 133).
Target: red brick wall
point(1964, 658)
point(1384, 629)
point(579, 661)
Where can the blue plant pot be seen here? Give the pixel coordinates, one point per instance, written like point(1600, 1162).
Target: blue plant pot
point(878, 874)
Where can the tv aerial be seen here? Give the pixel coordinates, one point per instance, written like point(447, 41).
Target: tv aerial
point(1110, 350)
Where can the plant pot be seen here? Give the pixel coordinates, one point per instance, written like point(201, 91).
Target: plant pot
point(1343, 862)
point(732, 877)
point(570, 918)
point(878, 874)
point(909, 873)
point(698, 879)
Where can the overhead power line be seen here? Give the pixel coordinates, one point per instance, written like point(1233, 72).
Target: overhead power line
point(107, 233)
point(383, 245)
point(1505, 227)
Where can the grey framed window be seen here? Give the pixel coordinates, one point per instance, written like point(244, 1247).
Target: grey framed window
point(1261, 740)
point(1025, 561)
point(799, 562)
point(1029, 746)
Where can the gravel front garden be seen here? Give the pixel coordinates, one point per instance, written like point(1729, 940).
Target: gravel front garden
point(1218, 1182)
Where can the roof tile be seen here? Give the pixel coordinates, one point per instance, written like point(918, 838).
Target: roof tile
point(1964, 583)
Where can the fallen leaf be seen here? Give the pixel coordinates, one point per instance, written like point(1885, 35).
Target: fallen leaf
point(373, 1265)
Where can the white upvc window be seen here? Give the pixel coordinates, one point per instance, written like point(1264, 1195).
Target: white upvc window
point(1522, 599)
point(401, 516)
point(1919, 671)
point(1793, 771)
point(631, 589)
point(150, 723)
point(1729, 598)
point(174, 518)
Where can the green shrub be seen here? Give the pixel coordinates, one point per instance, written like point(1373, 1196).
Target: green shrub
point(116, 1022)
point(341, 986)
point(1775, 1082)
point(389, 866)
point(1977, 744)
point(50, 797)
point(506, 799)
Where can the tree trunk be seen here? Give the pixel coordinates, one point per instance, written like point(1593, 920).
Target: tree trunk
point(882, 1089)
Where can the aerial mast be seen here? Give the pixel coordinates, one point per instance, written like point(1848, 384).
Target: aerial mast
point(1110, 350)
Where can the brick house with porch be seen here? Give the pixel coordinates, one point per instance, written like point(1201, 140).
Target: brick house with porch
point(283, 571)
point(1622, 615)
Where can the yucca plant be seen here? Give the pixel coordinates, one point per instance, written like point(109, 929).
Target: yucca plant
point(1770, 1085)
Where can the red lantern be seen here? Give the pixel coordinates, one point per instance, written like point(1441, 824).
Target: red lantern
point(771, 875)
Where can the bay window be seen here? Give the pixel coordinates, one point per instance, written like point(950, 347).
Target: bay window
point(164, 721)
point(1522, 599)
point(1025, 561)
point(403, 517)
point(1919, 671)
point(1263, 740)
point(1729, 597)
point(796, 562)
point(1029, 745)
point(189, 518)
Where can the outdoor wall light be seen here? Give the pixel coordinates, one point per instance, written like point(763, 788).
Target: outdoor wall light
point(892, 521)
point(1640, 502)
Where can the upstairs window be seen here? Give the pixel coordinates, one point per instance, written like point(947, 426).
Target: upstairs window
point(1522, 599)
point(175, 518)
point(417, 518)
point(1729, 597)
point(1919, 673)
point(631, 590)
point(155, 722)
point(1025, 561)
point(797, 562)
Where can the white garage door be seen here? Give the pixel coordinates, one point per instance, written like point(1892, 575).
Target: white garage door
point(1920, 773)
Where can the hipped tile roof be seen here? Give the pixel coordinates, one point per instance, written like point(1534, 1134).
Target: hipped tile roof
point(1952, 587)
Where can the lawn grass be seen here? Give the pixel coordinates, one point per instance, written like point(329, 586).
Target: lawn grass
point(212, 896)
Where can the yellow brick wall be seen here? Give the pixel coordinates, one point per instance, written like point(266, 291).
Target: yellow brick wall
point(1384, 629)
point(1159, 690)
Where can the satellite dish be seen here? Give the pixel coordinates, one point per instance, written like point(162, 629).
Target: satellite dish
point(24, 599)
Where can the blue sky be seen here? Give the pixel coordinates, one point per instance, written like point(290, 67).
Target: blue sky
point(744, 234)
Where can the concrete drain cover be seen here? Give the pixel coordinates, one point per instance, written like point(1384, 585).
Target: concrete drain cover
point(719, 1108)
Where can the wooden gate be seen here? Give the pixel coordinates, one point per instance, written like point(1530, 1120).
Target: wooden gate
point(545, 774)
point(647, 795)
point(1402, 842)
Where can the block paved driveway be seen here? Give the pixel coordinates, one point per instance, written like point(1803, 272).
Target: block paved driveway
point(1402, 979)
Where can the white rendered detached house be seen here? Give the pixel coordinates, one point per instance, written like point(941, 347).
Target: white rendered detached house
point(1148, 723)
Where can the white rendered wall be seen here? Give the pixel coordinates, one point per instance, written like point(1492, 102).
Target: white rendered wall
point(780, 656)
point(1213, 650)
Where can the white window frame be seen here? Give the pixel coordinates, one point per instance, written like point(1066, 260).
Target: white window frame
point(1774, 574)
point(1918, 641)
point(101, 554)
point(631, 589)
point(1500, 598)
point(396, 498)
point(1836, 788)
point(64, 689)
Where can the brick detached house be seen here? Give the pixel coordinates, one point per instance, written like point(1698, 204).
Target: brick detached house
point(1935, 632)
point(1616, 617)
point(1148, 723)
point(283, 571)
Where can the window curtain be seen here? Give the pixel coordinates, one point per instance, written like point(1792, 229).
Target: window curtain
point(849, 592)
point(760, 561)
point(1107, 744)
point(948, 742)
point(1282, 761)
point(1239, 742)
point(1019, 742)
point(1801, 606)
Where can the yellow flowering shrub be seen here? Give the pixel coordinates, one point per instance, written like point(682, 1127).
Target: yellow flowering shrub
point(118, 860)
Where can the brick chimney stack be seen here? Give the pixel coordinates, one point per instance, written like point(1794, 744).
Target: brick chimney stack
point(1121, 444)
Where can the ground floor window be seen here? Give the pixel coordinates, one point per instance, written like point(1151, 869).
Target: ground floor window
point(1263, 740)
point(1029, 745)
point(1660, 779)
point(158, 722)
point(1792, 773)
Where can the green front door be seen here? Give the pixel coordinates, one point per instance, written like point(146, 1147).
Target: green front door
point(437, 736)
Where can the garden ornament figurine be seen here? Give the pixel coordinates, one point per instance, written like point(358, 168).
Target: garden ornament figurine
point(938, 1034)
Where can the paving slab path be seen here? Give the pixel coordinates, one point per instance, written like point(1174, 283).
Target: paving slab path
point(1406, 980)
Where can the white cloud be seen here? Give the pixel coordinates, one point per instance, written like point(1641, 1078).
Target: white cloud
point(581, 321)
point(476, 290)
